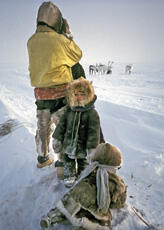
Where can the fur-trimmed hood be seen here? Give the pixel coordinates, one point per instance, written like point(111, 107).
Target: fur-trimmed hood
point(80, 85)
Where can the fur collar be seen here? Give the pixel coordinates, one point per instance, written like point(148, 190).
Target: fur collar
point(88, 106)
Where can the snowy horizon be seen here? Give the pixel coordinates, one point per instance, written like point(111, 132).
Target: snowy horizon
point(121, 30)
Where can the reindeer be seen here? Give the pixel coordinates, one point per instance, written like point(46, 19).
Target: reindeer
point(110, 66)
point(101, 68)
point(128, 69)
point(93, 69)
point(105, 69)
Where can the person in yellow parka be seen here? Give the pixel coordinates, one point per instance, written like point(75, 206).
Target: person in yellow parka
point(51, 57)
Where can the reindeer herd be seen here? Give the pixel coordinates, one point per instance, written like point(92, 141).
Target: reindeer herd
point(107, 69)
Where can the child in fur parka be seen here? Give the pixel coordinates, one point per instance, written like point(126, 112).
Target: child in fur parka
point(88, 203)
point(78, 132)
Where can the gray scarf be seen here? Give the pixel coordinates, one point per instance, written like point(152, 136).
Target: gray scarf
point(102, 178)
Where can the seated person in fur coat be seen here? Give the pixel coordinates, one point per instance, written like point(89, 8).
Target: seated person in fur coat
point(87, 204)
point(78, 132)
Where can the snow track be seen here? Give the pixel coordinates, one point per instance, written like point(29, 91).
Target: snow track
point(131, 110)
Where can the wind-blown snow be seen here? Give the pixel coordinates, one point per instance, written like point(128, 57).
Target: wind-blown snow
point(131, 109)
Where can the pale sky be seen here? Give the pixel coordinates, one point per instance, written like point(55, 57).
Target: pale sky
point(117, 30)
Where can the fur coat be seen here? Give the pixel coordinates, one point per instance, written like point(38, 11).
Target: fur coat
point(79, 127)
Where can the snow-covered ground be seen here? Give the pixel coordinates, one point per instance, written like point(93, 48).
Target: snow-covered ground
point(131, 108)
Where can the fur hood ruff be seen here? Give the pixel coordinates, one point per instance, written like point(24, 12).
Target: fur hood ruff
point(80, 85)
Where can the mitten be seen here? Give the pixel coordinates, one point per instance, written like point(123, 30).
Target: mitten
point(57, 145)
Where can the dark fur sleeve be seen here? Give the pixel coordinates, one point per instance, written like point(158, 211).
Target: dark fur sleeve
point(93, 138)
point(78, 71)
point(61, 128)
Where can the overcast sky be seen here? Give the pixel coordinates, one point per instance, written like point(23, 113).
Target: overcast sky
point(118, 30)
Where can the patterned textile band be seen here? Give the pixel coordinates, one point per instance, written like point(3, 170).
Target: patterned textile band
point(50, 93)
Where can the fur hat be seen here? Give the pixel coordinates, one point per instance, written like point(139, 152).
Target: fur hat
point(80, 85)
point(51, 15)
point(107, 154)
